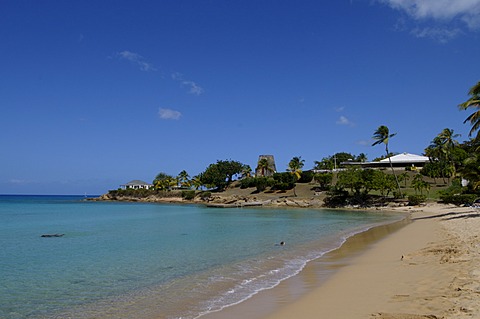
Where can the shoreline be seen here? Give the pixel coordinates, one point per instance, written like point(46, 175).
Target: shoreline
point(423, 269)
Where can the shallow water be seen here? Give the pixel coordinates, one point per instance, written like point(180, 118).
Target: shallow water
point(138, 260)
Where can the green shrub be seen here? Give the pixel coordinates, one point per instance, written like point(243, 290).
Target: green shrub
point(459, 200)
point(205, 195)
point(130, 192)
point(188, 195)
point(247, 182)
point(455, 188)
point(414, 200)
point(305, 177)
point(283, 181)
point(324, 179)
point(336, 198)
point(261, 183)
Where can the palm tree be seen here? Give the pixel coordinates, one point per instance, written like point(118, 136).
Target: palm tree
point(473, 102)
point(447, 142)
point(362, 157)
point(446, 138)
point(264, 166)
point(246, 171)
point(404, 177)
point(183, 178)
point(382, 135)
point(197, 181)
point(163, 181)
point(419, 184)
point(295, 168)
point(471, 170)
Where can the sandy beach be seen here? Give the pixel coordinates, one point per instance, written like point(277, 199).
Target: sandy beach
point(426, 269)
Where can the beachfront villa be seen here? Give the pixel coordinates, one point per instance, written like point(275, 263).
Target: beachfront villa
point(136, 184)
point(402, 160)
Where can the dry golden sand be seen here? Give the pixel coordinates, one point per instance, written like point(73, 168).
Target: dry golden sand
point(438, 276)
point(428, 269)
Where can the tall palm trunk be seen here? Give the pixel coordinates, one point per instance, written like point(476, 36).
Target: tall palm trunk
point(393, 171)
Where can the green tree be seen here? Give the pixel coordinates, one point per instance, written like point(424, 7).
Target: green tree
point(448, 142)
point(163, 181)
point(196, 181)
point(377, 180)
point(295, 168)
point(351, 178)
point(336, 160)
point(325, 164)
point(432, 169)
point(442, 152)
point(324, 179)
point(283, 181)
point(362, 157)
point(261, 183)
point(404, 177)
point(419, 184)
point(382, 136)
point(473, 102)
point(246, 171)
point(220, 174)
point(184, 179)
point(471, 170)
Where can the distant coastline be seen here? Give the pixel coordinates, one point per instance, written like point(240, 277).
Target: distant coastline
point(236, 197)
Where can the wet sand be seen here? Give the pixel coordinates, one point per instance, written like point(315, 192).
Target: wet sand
point(424, 269)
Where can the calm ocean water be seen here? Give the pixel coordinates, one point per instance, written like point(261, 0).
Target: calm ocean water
point(138, 260)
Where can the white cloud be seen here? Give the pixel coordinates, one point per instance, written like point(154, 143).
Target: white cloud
point(343, 121)
point(177, 76)
point(194, 88)
point(169, 114)
point(442, 35)
point(339, 109)
point(136, 59)
point(438, 9)
point(364, 143)
point(442, 19)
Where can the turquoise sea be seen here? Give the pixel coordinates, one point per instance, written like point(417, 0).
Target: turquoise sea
point(141, 260)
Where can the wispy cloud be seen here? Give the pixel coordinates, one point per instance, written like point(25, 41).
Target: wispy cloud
point(364, 143)
point(19, 181)
point(339, 109)
point(169, 114)
point(342, 120)
point(440, 20)
point(442, 35)
point(193, 87)
point(136, 59)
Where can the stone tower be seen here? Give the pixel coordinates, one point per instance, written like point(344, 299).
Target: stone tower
point(259, 171)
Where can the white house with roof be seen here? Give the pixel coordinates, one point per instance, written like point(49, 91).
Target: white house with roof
point(137, 184)
point(400, 160)
point(407, 159)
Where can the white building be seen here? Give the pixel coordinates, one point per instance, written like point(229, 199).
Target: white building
point(137, 184)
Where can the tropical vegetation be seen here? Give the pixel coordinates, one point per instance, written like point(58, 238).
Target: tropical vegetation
point(452, 173)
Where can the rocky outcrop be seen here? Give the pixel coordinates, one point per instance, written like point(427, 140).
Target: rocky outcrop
point(225, 201)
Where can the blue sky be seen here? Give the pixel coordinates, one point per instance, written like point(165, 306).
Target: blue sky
point(94, 94)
